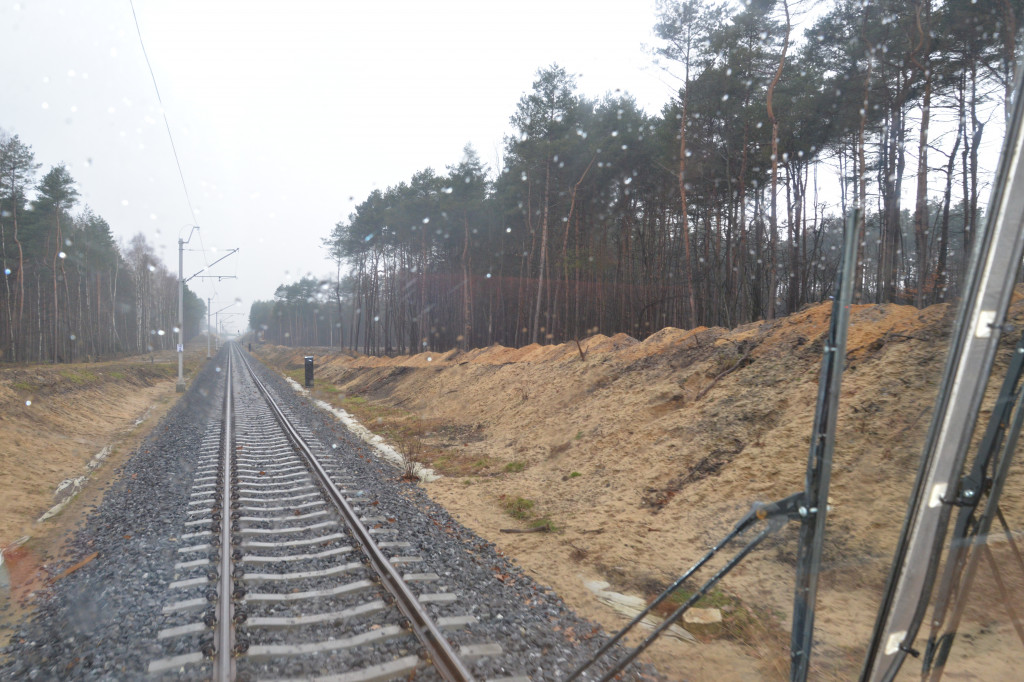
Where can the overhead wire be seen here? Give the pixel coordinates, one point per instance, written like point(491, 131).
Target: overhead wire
point(170, 136)
point(163, 112)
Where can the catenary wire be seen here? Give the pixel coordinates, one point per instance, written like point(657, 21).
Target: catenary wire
point(163, 112)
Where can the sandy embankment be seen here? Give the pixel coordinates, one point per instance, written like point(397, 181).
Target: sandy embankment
point(644, 454)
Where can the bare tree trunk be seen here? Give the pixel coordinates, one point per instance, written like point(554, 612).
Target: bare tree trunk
point(1009, 35)
point(56, 308)
point(467, 296)
point(942, 277)
point(543, 251)
point(569, 221)
point(8, 307)
point(921, 207)
point(740, 259)
point(683, 218)
point(862, 203)
point(773, 220)
point(20, 347)
point(979, 128)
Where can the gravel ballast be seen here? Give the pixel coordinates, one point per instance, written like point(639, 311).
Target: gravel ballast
point(101, 621)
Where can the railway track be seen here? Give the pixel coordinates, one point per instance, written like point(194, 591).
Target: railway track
point(288, 569)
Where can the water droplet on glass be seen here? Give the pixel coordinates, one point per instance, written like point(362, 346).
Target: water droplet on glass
point(28, 403)
point(62, 255)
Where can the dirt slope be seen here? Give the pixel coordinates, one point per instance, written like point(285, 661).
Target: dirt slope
point(55, 419)
point(643, 455)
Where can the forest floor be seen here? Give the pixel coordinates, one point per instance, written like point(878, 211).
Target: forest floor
point(64, 422)
point(636, 458)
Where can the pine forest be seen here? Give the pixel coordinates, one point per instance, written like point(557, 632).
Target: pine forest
point(725, 207)
point(70, 293)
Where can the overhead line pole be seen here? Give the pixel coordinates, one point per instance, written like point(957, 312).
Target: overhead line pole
point(217, 316)
point(180, 386)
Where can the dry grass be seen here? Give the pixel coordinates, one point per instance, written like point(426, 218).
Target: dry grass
point(433, 443)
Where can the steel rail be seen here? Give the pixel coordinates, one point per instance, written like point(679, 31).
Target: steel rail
point(224, 667)
point(441, 654)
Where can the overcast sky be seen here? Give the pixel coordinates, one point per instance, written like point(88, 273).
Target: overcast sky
point(286, 114)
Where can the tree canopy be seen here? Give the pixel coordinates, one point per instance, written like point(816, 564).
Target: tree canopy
point(604, 217)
